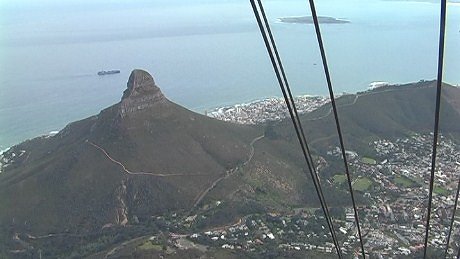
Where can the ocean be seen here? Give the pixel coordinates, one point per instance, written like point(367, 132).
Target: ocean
point(202, 54)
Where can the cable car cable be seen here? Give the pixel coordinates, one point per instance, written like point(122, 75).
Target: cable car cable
point(442, 31)
point(279, 70)
point(334, 108)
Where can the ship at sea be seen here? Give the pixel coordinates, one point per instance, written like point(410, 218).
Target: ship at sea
point(109, 72)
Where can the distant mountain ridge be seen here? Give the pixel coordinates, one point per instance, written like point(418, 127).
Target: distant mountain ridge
point(393, 111)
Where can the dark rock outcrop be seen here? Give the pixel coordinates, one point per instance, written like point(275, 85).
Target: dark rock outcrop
point(142, 93)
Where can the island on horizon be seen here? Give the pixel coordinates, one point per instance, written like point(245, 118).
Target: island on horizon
point(309, 20)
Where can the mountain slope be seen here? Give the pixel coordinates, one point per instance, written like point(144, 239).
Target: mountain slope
point(140, 157)
point(388, 112)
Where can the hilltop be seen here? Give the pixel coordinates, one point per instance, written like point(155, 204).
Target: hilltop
point(393, 111)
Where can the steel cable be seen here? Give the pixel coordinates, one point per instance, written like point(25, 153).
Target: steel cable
point(442, 31)
point(336, 117)
point(284, 85)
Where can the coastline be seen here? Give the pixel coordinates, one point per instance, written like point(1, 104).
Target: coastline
point(3, 151)
point(3, 160)
point(47, 135)
point(265, 110)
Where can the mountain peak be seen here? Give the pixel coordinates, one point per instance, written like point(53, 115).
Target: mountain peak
point(141, 93)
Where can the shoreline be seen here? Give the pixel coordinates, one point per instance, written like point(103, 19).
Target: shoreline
point(265, 110)
point(47, 135)
point(256, 100)
point(5, 150)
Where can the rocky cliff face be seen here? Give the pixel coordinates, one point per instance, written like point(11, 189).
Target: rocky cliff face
point(121, 208)
point(141, 93)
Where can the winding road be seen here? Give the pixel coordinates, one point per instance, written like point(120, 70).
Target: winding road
point(330, 110)
point(350, 104)
point(127, 171)
point(364, 94)
point(204, 192)
point(227, 174)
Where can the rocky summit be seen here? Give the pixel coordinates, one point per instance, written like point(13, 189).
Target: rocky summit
point(142, 93)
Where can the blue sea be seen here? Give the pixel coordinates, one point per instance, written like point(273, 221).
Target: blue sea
point(202, 54)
